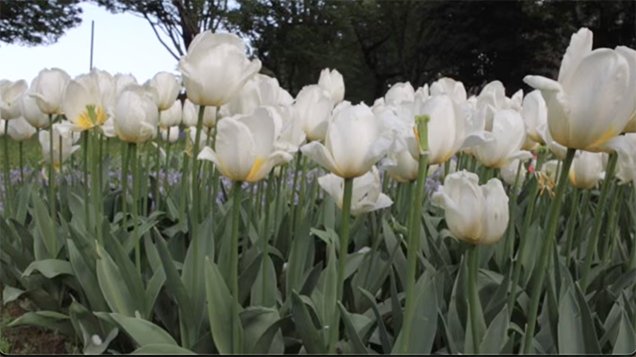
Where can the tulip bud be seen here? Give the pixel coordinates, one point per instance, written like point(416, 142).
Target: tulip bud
point(10, 98)
point(587, 169)
point(164, 88)
point(135, 116)
point(333, 83)
point(48, 90)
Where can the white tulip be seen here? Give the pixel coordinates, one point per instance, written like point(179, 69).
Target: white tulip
point(66, 149)
point(366, 192)
point(20, 130)
point(32, 113)
point(88, 98)
point(446, 133)
point(171, 116)
point(165, 88)
point(454, 89)
point(313, 108)
point(355, 140)
point(535, 115)
point(170, 134)
point(136, 116)
point(400, 92)
point(216, 68)
point(10, 98)
point(507, 137)
point(333, 83)
point(48, 90)
point(592, 100)
point(509, 173)
point(245, 148)
point(625, 147)
point(475, 214)
point(587, 169)
point(191, 115)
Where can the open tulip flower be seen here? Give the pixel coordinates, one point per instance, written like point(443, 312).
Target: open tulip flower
point(31, 111)
point(475, 214)
point(592, 101)
point(366, 196)
point(216, 68)
point(355, 140)
point(87, 99)
point(245, 147)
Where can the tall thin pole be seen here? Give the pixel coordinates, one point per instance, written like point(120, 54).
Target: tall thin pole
point(92, 39)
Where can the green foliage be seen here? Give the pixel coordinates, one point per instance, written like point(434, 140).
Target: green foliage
point(37, 22)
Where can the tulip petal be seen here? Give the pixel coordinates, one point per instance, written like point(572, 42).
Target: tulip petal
point(580, 46)
point(319, 153)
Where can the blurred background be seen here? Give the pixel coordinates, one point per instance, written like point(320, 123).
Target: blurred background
point(372, 43)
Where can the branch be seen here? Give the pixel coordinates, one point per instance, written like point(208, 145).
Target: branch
point(177, 57)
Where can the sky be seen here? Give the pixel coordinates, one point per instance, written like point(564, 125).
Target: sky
point(123, 43)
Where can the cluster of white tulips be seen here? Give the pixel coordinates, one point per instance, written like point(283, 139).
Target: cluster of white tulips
point(241, 125)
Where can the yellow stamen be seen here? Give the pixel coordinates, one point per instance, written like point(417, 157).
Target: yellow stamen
point(255, 170)
point(84, 122)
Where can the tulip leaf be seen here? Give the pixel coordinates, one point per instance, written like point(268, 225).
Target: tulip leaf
point(219, 308)
point(626, 338)
point(570, 331)
point(356, 342)
point(143, 332)
point(45, 227)
point(46, 319)
point(112, 284)
point(256, 321)
point(86, 276)
point(263, 292)
point(495, 337)
point(50, 268)
point(385, 339)
point(308, 331)
point(160, 349)
point(10, 293)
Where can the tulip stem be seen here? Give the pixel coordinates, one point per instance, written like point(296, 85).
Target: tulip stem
point(158, 165)
point(85, 148)
point(546, 250)
point(576, 197)
point(195, 172)
point(20, 160)
point(342, 258)
point(598, 220)
point(7, 176)
point(51, 169)
point(135, 205)
point(236, 216)
point(414, 240)
point(124, 182)
point(632, 260)
point(95, 188)
point(473, 294)
point(608, 242)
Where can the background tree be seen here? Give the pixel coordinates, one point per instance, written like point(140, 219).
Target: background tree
point(37, 22)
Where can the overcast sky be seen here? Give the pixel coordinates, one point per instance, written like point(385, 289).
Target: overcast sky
point(123, 43)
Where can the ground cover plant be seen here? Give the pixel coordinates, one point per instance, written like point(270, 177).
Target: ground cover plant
point(215, 213)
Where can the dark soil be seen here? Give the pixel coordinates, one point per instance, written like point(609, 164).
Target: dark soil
point(26, 339)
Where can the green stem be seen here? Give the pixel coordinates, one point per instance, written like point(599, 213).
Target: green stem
point(157, 196)
point(135, 204)
point(473, 294)
point(7, 176)
point(543, 264)
point(414, 240)
point(124, 182)
point(598, 220)
point(265, 235)
point(20, 160)
point(51, 170)
point(610, 237)
point(236, 216)
point(576, 197)
point(632, 260)
point(95, 186)
point(342, 258)
point(85, 148)
point(195, 172)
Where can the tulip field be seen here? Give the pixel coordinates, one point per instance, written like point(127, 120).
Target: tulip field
point(214, 212)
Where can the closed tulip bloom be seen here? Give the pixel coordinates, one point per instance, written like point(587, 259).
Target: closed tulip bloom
point(65, 149)
point(475, 214)
point(366, 194)
point(400, 92)
point(48, 90)
point(446, 133)
point(587, 169)
point(172, 115)
point(333, 83)
point(507, 137)
point(625, 147)
point(32, 113)
point(164, 88)
point(170, 134)
point(20, 129)
point(123, 80)
point(313, 108)
point(535, 114)
point(216, 68)
point(10, 98)
point(356, 139)
point(135, 116)
point(191, 115)
point(454, 89)
point(509, 173)
point(245, 148)
point(592, 100)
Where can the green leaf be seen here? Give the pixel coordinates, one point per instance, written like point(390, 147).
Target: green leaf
point(86, 276)
point(592, 345)
point(385, 339)
point(45, 226)
point(47, 319)
point(570, 332)
point(305, 327)
point(424, 323)
point(356, 342)
point(264, 290)
point(143, 332)
point(162, 349)
point(112, 285)
point(626, 339)
point(50, 268)
point(10, 293)
point(219, 307)
point(256, 321)
point(495, 337)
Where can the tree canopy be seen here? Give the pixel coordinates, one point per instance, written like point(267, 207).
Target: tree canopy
point(37, 22)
